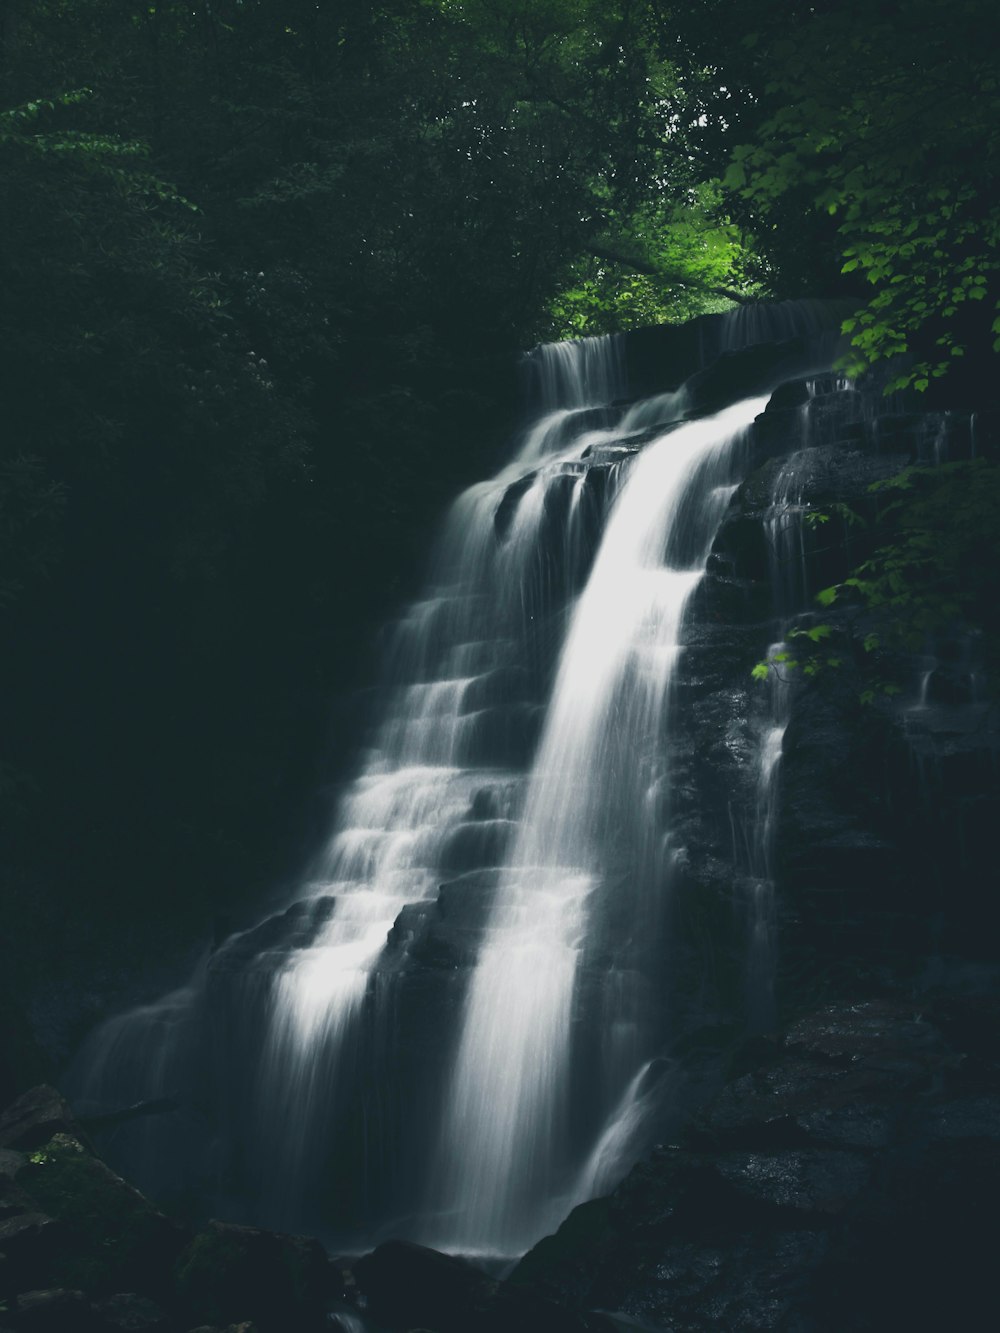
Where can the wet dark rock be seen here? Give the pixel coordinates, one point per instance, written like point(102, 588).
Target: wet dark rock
point(36, 1115)
point(507, 507)
point(527, 1312)
point(499, 801)
point(741, 374)
point(794, 393)
point(476, 845)
point(130, 1313)
point(10, 1163)
point(408, 927)
point(609, 453)
point(407, 1285)
point(810, 1180)
point(445, 933)
point(82, 1251)
point(855, 1125)
point(232, 1273)
point(109, 1235)
point(295, 928)
point(966, 1118)
point(501, 685)
point(56, 1310)
point(410, 1287)
point(866, 1141)
point(502, 735)
point(662, 357)
point(137, 1111)
point(245, 1327)
point(865, 1032)
point(468, 898)
point(31, 1241)
point(13, 1199)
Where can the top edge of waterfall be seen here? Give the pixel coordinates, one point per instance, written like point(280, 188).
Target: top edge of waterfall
point(577, 373)
point(777, 321)
point(593, 372)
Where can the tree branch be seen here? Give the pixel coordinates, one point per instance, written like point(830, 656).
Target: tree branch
point(648, 270)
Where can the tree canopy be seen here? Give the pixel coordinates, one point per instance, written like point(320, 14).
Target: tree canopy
point(864, 133)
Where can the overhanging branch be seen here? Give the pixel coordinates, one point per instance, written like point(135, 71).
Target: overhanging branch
point(635, 265)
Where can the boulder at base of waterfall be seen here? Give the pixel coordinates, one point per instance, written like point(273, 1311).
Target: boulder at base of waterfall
point(849, 1181)
point(112, 1236)
point(234, 1273)
point(29, 1241)
point(410, 1285)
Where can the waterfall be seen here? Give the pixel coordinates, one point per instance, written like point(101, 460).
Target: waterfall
point(284, 1019)
point(785, 532)
point(455, 1031)
point(505, 1131)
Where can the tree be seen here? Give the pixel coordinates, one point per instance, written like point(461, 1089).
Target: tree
point(884, 118)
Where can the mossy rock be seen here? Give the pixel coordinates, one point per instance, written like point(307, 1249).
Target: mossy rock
point(229, 1274)
point(114, 1238)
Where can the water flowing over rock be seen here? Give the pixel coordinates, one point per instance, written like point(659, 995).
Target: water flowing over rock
point(551, 898)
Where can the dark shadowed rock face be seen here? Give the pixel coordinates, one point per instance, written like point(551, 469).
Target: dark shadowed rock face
point(83, 1251)
point(230, 1272)
point(845, 1183)
point(34, 1117)
point(408, 1284)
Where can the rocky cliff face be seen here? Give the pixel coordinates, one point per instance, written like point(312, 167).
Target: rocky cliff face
point(846, 1182)
point(880, 829)
point(842, 1176)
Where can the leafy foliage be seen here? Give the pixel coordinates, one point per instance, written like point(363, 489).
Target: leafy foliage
point(933, 570)
point(669, 260)
point(885, 120)
point(937, 565)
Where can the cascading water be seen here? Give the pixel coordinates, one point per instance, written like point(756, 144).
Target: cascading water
point(785, 530)
point(437, 792)
point(455, 1032)
point(506, 1129)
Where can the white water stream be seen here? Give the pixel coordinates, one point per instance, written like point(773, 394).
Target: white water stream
point(502, 1156)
